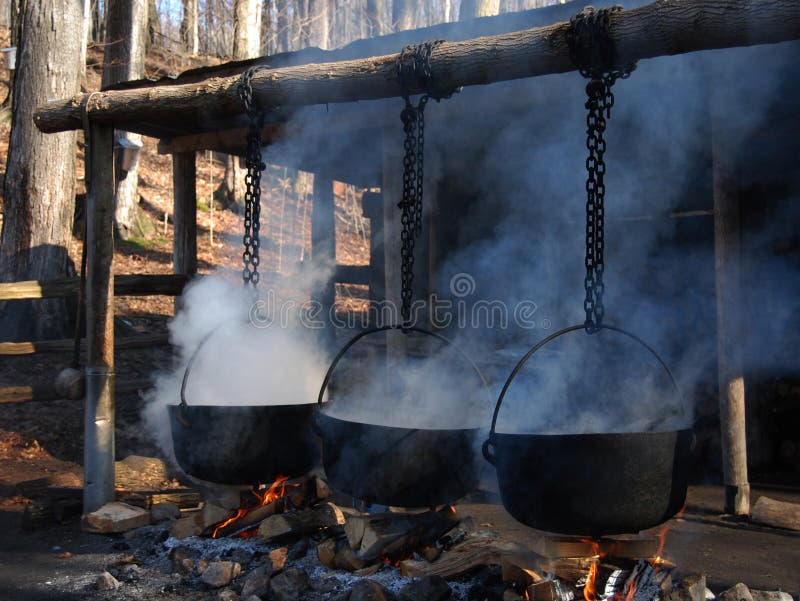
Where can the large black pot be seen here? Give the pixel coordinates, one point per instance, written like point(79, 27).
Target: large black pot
point(408, 467)
point(252, 444)
point(590, 484)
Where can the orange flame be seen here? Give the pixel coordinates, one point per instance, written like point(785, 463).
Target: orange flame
point(277, 490)
point(590, 588)
point(662, 539)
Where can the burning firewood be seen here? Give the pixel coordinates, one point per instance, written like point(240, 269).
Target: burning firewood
point(299, 523)
point(391, 534)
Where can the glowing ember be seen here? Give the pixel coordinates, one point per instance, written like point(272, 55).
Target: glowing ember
point(277, 490)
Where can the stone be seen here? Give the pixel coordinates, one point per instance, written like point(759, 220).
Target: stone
point(347, 559)
point(130, 573)
point(368, 571)
point(369, 590)
point(114, 518)
point(738, 592)
point(241, 556)
point(106, 582)
point(257, 582)
point(770, 596)
point(227, 595)
point(220, 573)
point(253, 598)
point(326, 552)
point(164, 512)
point(183, 559)
point(191, 525)
point(289, 585)
point(278, 558)
point(429, 588)
point(298, 550)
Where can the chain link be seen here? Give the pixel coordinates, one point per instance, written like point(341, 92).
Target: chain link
point(414, 62)
point(252, 197)
point(593, 52)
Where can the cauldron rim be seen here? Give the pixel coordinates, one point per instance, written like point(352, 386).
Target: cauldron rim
point(392, 427)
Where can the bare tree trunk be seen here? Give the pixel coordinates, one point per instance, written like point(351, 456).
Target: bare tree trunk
point(153, 24)
point(377, 18)
point(245, 45)
point(98, 22)
point(39, 185)
point(284, 22)
point(403, 15)
point(190, 26)
point(471, 9)
point(126, 26)
point(319, 25)
point(87, 28)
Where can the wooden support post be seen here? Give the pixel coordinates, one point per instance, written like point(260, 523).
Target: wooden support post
point(323, 253)
point(98, 456)
point(184, 213)
point(373, 210)
point(184, 216)
point(727, 250)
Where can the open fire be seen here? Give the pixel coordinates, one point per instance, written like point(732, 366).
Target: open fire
point(264, 496)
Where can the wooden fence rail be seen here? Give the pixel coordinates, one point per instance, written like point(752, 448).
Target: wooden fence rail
point(124, 285)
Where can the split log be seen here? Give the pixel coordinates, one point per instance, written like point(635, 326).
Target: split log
point(469, 555)
point(393, 534)
point(522, 576)
point(301, 523)
point(38, 393)
point(115, 517)
point(67, 345)
point(777, 514)
point(184, 498)
point(124, 285)
point(657, 29)
point(549, 590)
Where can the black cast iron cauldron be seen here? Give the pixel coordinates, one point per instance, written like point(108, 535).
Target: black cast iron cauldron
point(590, 484)
point(241, 444)
point(408, 467)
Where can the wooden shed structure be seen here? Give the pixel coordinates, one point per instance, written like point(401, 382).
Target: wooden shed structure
point(336, 114)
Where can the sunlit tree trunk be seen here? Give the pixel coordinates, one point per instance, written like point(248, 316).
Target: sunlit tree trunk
point(39, 189)
point(126, 25)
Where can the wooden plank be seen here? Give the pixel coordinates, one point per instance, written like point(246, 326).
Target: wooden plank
point(124, 285)
point(66, 345)
point(46, 392)
point(657, 29)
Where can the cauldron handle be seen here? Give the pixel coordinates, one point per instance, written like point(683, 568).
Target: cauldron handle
point(369, 331)
point(487, 444)
point(184, 406)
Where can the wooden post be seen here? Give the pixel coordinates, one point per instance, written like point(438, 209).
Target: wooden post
point(98, 457)
point(373, 209)
point(323, 251)
point(184, 213)
point(727, 263)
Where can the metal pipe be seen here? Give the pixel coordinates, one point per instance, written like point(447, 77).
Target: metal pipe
point(98, 448)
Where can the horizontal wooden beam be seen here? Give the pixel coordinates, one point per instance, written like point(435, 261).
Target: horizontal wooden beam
point(46, 392)
point(68, 344)
point(124, 285)
point(659, 29)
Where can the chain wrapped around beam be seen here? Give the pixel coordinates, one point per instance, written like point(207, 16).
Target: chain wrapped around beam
point(414, 66)
point(254, 164)
point(592, 50)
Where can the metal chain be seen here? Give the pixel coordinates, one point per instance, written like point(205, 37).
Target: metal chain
point(593, 52)
point(414, 62)
point(254, 164)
